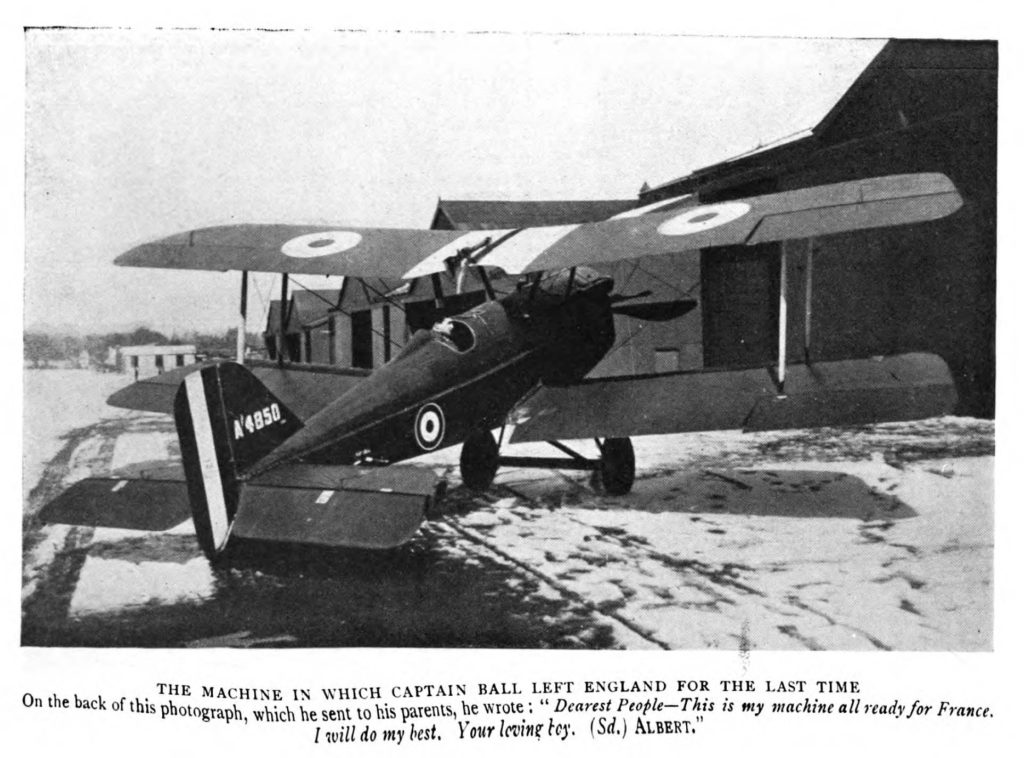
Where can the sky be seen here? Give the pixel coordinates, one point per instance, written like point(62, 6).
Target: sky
point(135, 135)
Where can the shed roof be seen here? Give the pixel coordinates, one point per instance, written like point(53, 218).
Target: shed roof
point(312, 305)
point(274, 318)
point(305, 307)
point(157, 349)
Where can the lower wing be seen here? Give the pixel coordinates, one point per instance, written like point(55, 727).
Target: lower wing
point(835, 393)
point(303, 388)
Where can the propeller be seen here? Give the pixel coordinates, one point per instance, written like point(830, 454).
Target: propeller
point(659, 311)
point(565, 282)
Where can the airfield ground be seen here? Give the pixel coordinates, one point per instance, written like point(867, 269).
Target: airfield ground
point(872, 538)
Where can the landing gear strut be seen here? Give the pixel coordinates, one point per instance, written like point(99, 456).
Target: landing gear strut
point(478, 462)
point(618, 465)
point(614, 471)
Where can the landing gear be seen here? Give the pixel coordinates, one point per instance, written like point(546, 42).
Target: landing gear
point(617, 468)
point(613, 472)
point(478, 462)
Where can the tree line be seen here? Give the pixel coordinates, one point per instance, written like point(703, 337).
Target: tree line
point(42, 349)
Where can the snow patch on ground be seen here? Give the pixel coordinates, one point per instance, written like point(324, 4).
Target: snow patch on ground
point(141, 447)
point(113, 585)
point(835, 555)
point(57, 401)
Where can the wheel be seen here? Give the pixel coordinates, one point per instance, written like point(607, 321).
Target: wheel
point(478, 462)
point(618, 465)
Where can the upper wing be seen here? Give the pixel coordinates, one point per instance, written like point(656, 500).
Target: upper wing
point(798, 214)
point(661, 228)
point(344, 251)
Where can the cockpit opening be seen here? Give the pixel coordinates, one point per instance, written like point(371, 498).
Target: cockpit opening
point(454, 334)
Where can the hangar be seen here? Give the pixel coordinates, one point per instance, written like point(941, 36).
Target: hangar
point(919, 106)
point(349, 327)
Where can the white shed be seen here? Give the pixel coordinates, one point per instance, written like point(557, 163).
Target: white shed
point(141, 361)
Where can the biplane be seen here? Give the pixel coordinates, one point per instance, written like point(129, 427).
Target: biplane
point(290, 453)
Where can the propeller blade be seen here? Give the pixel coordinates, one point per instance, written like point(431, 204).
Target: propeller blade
point(665, 311)
point(623, 298)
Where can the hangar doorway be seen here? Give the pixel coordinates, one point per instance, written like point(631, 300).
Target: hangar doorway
point(740, 300)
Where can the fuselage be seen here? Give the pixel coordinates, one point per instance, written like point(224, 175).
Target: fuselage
point(465, 374)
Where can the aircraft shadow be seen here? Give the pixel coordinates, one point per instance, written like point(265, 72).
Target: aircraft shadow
point(425, 594)
point(782, 493)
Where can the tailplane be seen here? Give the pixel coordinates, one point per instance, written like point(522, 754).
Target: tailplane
point(227, 421)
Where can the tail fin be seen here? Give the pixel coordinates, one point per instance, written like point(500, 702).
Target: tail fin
point(227, 420)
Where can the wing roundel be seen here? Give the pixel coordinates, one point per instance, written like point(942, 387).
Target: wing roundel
point(385, 253)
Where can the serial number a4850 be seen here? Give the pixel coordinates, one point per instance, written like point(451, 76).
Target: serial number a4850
point(253, 422)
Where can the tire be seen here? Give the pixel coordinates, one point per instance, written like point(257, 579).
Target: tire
point(618, 466)
point(478, 462)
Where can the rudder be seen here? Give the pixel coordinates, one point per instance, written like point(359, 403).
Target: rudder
point(227, 420)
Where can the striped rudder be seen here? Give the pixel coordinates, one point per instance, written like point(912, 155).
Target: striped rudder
point(226, 420)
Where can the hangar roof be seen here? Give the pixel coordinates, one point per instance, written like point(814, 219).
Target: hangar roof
point(305, 307)
point(907, 82)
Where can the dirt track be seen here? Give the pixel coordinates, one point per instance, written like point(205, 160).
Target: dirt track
point(871, 538)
